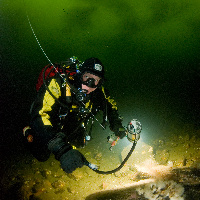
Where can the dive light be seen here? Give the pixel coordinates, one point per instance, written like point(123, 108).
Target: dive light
point(133, 131)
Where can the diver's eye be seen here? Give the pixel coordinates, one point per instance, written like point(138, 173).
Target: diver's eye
point(85, 77)
point(96, 80)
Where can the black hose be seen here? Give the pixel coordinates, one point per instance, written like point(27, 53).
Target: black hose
point(121, 165)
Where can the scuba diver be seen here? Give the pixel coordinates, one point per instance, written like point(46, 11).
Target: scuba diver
point(69, 95)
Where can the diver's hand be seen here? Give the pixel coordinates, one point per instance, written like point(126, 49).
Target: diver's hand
point(71, 160)
point(121, 132)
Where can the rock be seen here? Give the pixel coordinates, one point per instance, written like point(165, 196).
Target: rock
point(59, 184)
point(98, 156)
point(45, 173)
point(38, 186)
point(70, 190)
point(77, 175)
point(162, 156)
point(153, 169)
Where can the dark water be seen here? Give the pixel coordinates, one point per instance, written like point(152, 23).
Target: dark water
point(150, 50)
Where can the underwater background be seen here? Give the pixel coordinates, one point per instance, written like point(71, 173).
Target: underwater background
point(151, 51)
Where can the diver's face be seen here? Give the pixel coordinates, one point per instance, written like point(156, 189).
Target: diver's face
point(90, 82)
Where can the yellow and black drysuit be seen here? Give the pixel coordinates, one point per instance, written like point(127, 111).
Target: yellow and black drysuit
point(57, 125)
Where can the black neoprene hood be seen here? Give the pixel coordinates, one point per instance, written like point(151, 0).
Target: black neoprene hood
point(94, 66)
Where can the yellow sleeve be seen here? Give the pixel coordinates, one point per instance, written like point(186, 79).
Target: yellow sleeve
point(49, 101)
point(111, 101)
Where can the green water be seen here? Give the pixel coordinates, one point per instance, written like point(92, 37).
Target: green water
point(150, 50)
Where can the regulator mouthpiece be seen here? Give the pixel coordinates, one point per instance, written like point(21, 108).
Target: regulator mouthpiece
point(81, 95)
point(134, 129)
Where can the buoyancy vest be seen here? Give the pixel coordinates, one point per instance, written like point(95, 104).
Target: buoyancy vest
point(50, 71)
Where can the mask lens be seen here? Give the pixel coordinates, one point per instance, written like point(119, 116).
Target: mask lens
point(90, 82)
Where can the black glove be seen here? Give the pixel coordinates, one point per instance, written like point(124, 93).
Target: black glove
point(58, 145)
point(117, 128)
point(121, 133)
point(72, 160)
point(69, 158)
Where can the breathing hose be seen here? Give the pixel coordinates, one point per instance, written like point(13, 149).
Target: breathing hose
point(121, 165)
